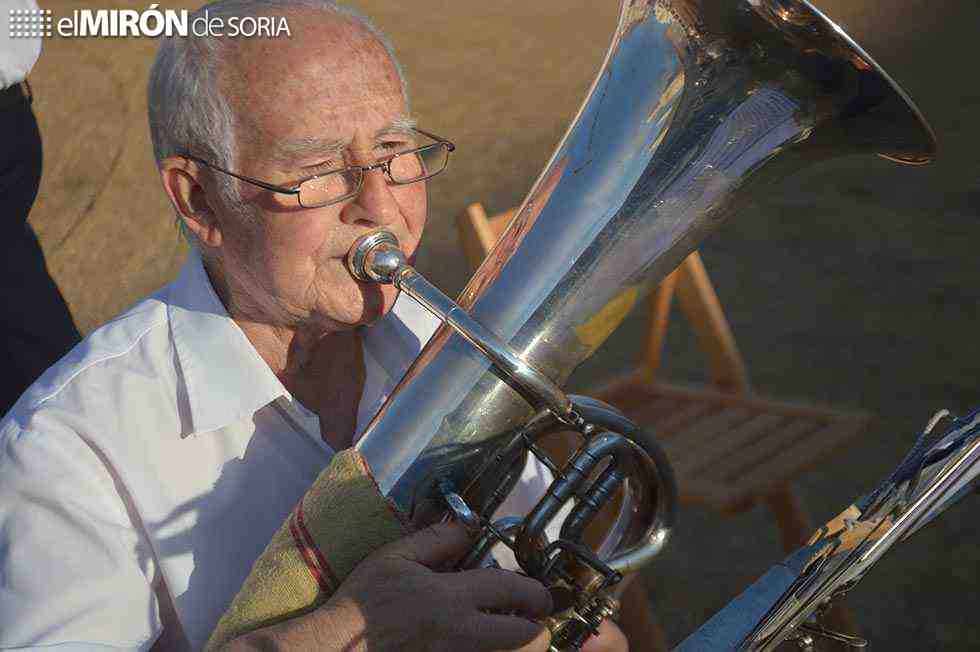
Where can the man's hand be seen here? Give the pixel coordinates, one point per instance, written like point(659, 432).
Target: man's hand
point(610, 639)
point(400, 598)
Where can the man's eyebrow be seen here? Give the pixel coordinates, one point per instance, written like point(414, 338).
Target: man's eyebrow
point(289, 150)
point(398, 126)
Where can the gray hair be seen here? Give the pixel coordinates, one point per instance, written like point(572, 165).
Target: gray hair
point(188, 113)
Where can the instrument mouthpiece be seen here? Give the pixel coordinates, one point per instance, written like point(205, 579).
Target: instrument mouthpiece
point(375, 257)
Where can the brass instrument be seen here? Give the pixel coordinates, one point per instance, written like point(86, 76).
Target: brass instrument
point(697, 103)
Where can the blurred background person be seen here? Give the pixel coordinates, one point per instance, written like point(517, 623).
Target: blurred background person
point(36, 327)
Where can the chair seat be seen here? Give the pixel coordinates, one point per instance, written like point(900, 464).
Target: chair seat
point(730, 450)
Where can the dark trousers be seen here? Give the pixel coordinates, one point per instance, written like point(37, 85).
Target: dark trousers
point(36, 328)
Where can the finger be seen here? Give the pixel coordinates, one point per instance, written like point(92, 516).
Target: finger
point(435, 546)
point(506, 591)
point(609, 639)
point(496, 632)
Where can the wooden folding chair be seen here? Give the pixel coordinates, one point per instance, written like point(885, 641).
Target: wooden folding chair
point(730, 448)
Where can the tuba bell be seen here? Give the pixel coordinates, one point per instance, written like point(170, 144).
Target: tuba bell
point(697, 104)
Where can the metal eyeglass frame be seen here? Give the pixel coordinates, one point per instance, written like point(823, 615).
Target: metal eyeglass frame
point(384, 165)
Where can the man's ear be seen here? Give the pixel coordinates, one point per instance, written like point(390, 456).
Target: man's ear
point(181, 179)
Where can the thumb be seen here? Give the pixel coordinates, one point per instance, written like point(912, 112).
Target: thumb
point(437, 546)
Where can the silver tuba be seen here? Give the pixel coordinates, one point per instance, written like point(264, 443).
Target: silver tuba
point(697, 103)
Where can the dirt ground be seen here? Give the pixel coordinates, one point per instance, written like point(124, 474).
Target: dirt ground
point(854, 283)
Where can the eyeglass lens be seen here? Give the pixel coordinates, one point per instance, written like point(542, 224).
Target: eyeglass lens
point(404, 168)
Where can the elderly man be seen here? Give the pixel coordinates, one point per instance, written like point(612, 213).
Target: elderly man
point(142, 476)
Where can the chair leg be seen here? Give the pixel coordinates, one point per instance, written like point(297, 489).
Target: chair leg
point(637, 620)
point(794, 526)
point(795, 530)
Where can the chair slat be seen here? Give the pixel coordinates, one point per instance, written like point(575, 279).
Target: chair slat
point(713, 428)
point(695, 491)
point(653, 410)
point(750, 401)
point(631, 394)
point(694, 460)
point(665, 428)
point(807, 453)
point(767, 445)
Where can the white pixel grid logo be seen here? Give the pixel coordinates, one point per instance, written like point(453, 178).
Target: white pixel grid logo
point(30, 23)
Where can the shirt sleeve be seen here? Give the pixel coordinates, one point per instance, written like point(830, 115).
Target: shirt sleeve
point(74, 570)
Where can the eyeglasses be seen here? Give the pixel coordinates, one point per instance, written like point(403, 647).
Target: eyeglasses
point(400, 169)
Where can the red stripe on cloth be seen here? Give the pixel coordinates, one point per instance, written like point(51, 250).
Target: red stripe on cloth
point(307, 554)
point(324, 566)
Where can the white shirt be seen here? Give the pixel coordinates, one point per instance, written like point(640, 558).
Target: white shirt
point(17, 55)
point(155, 462)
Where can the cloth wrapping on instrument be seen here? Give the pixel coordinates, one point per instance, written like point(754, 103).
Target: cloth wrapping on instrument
point(337, 523)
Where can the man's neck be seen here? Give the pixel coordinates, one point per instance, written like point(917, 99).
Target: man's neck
point(290, 352)
point(323, 370)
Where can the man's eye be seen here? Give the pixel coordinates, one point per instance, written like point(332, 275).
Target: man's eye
point(395, 146)
point(326, 166)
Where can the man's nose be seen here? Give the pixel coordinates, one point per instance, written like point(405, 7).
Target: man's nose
point(375, 203)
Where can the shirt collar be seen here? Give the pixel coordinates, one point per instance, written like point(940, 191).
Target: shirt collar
point(225, 378)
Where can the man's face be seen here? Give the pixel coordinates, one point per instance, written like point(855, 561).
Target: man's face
point(326, 97)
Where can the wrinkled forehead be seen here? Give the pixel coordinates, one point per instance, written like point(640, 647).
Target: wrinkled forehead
point(329, 63)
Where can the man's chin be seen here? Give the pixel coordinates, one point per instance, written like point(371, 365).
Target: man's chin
point(390, 293)
point(378, 302)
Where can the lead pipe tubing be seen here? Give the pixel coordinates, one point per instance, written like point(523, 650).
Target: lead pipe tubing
point(377, 257)
point(540, 391)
